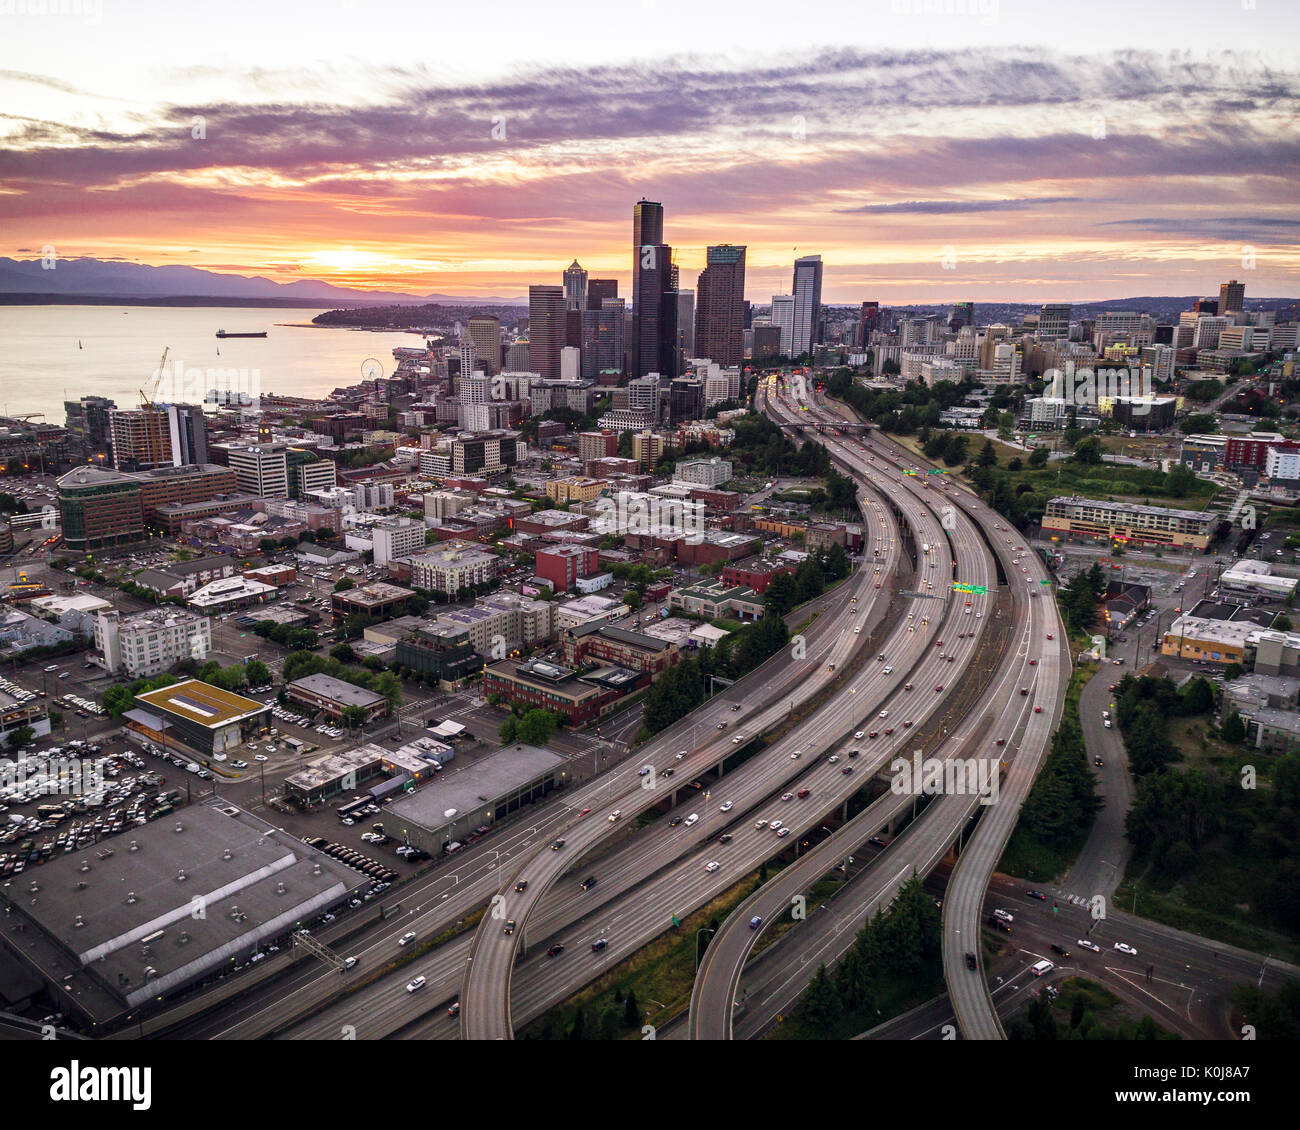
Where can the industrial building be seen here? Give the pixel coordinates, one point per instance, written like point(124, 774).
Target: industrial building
point(198, 716)
point(333, 696)
point(454, 804)
point(115, 928)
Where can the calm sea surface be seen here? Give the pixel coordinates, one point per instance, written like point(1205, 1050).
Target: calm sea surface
point(41, 365)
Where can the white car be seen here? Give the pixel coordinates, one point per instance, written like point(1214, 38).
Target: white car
point(774, 825)
point(409, 936)
point(1083, 943)
point(418, 983)
point(1004, 915)
point(260, 757)
point(737, 740)
point(615, 815)
point(1041, 967)
point(787, 796)
point(884, 714)
point(834, 757)
point(1124, 947)
point(860, 734)
point(712, 866)
point(692, 819)
point(725, 806)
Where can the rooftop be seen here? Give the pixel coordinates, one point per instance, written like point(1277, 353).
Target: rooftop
point(200, 702)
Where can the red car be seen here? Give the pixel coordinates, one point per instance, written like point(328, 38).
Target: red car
point(1002, 741)
point(1038, 710)
point(889, 731)
point(803, 793)
point(1024, 690)
point(584, 812)
point(938, 643)
point(938, 688)
point(1033, 663)
point(1049, 635)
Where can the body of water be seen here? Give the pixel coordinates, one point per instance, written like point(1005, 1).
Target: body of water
point(41, 364)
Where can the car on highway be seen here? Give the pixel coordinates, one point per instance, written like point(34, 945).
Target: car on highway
point(938, 689)
point(884, 714)
point(1041, 967)
point(1107, 724)
point(599, 944)
point(555, 950)
point(615, 815)
point(725, 806)
point(803, 793)
point(971, 963)
point(680, 755)
point(1124, 947)
point(1038, 710)
point(907, 686)
point(406, 938)
point(756, 922)
point(774, 825)
point(1004, 915)
point(693, 818)
point(349, 962)
point(645, 771)
point(1097, 761)
point(509, 927)
point(674, 821)
point(1037, 895)
point(584, 812)
point(796, 755)
point(712, 865)
point(782, 832)
point(847, 770)
point(556, 845)
point(787, 796)
point(737, 739)
point(419, 983)
point(1085, 944)
point(725, 838)
point(588, 882)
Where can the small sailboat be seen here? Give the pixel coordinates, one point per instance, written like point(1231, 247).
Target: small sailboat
point(79, 345)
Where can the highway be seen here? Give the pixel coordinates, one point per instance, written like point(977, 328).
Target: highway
point(486, 981)
point(824, 937)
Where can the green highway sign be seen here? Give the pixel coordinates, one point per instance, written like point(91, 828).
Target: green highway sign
point(938, 471)
point(979, 590)
point(1044, 582)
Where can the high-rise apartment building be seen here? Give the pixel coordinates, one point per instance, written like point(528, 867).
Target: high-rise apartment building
point(546, 330)
point(807, 303)
point(868, 319)
point(88, 421)
point(187, 431)
point(484, 330)
point(140, 438)
point(961, 314)
point(720, 311)
point(575, 287)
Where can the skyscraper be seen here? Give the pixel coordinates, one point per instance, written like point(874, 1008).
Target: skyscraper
point(720, 310)
point(961, 314)
point(648, 267)
point(686, 322)
point(868, 319)
point(546, 330)
point(575, 287)
point(602, 339)
point(1054, 321)
point(807, 303)
point(783, 319)
point(655, 315)
point(1232, 297)
point(600, 289)
point(187, 428)
point(484, 330)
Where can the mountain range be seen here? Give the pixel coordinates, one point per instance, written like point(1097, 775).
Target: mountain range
point(27, 281)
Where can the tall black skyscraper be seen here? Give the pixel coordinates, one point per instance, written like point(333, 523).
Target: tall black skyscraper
point(651, 268)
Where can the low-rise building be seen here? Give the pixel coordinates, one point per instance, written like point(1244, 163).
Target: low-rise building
point(604, 643)
point(1127, 522)
point(198, 717)
point(332, 696)
point(453, 565)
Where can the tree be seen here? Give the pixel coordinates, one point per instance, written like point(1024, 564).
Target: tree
point(353, 717)
point(259, 674)
point(343, 584)
point(632, 599)
point(116, 701)
point(1088, 450)
point(536, 727)
point(821, 1006)
point(20, 736)
point(508, 730)
point(1233, 729)
point(987, 456)
point(1038, 457)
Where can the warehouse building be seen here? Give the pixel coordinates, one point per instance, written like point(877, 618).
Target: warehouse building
point(449, 807)
point(333, 696)
point(113, 930)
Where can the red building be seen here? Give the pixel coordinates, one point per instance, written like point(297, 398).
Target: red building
point(1252, 451)
point(562, 565)
point(754, 573)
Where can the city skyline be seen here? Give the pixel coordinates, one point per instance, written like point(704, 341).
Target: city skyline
point(946, 166)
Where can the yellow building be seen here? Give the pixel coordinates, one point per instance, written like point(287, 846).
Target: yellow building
point(574, 489)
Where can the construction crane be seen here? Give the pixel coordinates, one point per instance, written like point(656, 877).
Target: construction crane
point(148, 408)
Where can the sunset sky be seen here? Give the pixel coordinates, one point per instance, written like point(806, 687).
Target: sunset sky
point(1060, 151)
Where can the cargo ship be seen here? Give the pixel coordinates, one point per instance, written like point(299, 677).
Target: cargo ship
point(222, 333)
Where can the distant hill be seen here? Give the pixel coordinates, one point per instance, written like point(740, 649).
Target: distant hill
point(25, 281)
